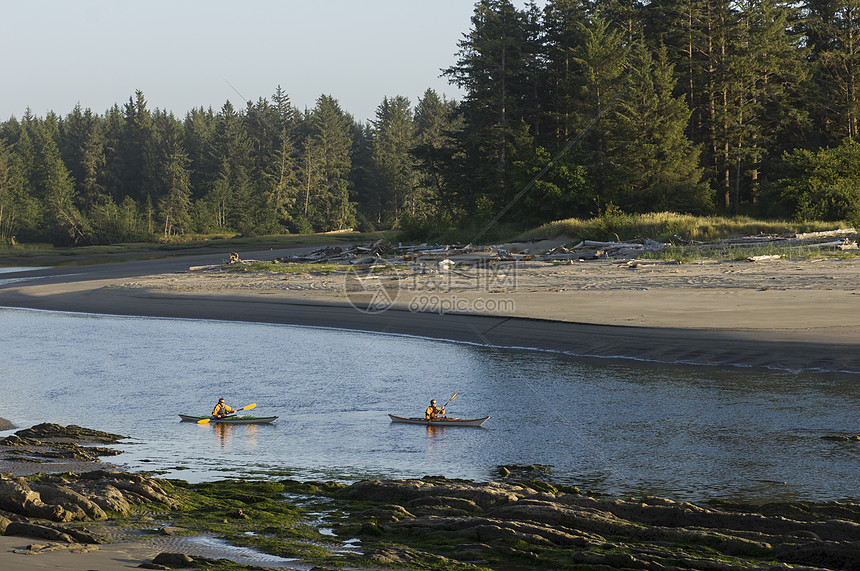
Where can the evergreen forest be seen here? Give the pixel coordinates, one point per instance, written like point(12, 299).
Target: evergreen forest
point(571, 109)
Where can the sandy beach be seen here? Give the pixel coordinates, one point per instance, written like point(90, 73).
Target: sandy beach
point(784, 314)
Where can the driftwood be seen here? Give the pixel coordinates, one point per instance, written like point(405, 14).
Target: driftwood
point(200, 268)
point(838, 244)
point(827, 234)
point(450, 255)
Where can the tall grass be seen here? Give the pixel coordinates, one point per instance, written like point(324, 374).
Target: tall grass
point(664, 226)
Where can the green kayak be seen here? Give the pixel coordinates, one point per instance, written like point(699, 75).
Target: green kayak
point(230, 419)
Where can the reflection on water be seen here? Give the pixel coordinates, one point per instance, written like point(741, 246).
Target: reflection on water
point(618, 427)
point(246, 432)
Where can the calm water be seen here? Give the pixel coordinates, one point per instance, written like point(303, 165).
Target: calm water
point(619, 427)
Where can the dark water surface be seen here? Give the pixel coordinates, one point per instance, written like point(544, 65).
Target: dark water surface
point(614, 426)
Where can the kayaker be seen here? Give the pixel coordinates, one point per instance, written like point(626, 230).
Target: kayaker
point(221, 410)
point(433, 411)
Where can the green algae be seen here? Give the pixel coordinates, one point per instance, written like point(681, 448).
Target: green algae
point(253, 514)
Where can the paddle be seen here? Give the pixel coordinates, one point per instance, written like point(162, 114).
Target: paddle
point(207, 420)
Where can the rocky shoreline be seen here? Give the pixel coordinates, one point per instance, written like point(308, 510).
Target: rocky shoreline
point(428, 523)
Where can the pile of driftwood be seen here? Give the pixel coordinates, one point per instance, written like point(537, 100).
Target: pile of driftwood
point(338, 254)
point(844, 239)
point(448, 256)
point(420, 254)
point(593, 250)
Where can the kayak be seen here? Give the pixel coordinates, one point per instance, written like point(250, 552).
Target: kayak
point(230, 419)
point(439, 421)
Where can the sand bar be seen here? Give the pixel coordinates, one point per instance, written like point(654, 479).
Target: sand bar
point(792, 315)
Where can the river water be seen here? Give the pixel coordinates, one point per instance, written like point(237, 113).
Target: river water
point(613, 426)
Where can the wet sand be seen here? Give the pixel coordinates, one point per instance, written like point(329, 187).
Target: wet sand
point(108, 557)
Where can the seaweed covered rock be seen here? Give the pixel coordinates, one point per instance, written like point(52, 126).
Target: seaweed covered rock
point(515, 524)
point(35, 508)
point(484, 495)
point(49, 441)
point(48, 430)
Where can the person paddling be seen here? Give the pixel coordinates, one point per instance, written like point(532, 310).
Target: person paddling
point(221, 410)
point(433, 411)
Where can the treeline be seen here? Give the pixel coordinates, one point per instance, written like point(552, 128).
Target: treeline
point(135, 173)
point(570, 110)
point(741, 106)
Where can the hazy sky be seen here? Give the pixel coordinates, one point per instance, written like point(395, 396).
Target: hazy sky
point(184, 54)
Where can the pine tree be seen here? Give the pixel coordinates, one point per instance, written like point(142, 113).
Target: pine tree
point(232, 146)
point(562, 25)
point(53, 186)
point(656, 167)
point(199, 143)
point(833, 32)
point(601, 58)
point(284, 112)
point(274, 126)
point(330, 143)
point(283, 184)
point(16, 207)
point(233, 153)
point(138, 150)
point(394, 137)
point(436, 126)
point(175, 203)
point(113, 132)
point(492, 67)
point(81, 148)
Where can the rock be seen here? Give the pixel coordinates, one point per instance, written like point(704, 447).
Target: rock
point(72, 432)
point(826, 554)
point(138, 485)
point(25, 529)
point(76, 503)
point(53, 532)
point(4, 522)
point(481, 494)
point(173, 560)
point(523, 522)
point(6, 425)
point(464, 504)
point(17, 497)
point(387, 513)
point(110, 498)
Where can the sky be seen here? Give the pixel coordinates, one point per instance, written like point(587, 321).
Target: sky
point(184, 54)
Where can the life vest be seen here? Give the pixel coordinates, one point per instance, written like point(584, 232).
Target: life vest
point(432, 412)
point(222, 409)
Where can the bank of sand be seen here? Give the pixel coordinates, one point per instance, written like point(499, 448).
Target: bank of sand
point(794, 315)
